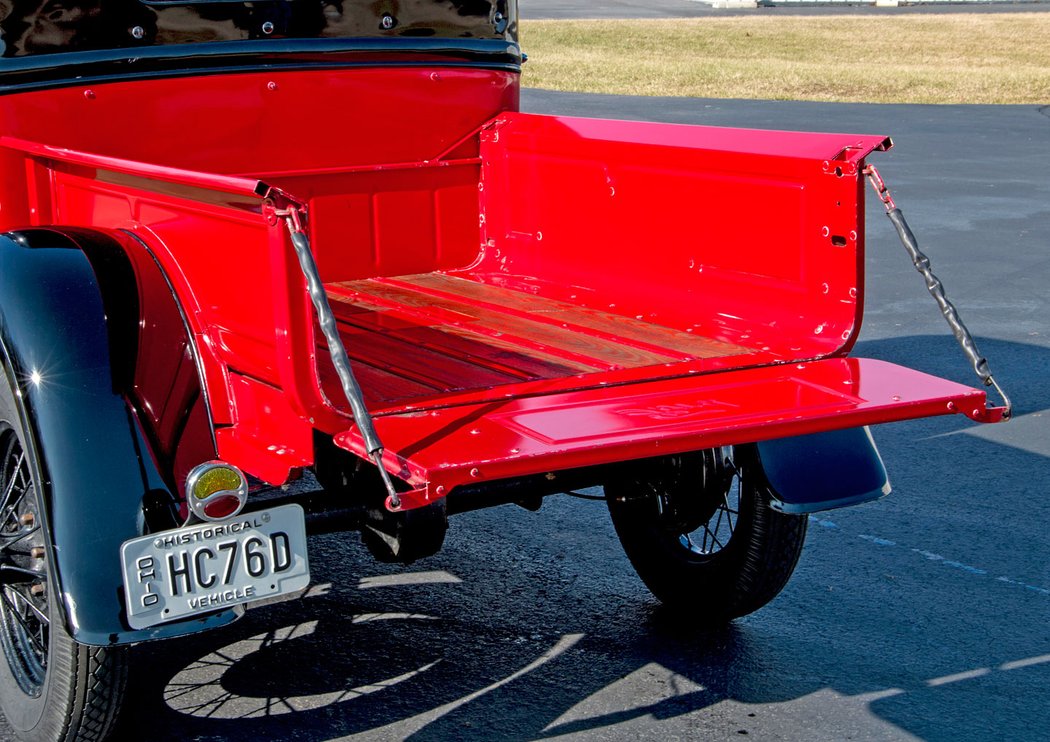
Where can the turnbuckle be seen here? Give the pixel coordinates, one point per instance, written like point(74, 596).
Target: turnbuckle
point(936, 289)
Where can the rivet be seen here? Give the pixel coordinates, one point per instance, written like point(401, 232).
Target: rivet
point(440, 489)
point(267, 28)
point(475, 472)
point(271, 85)
point(387, 22)
point(951, 407)
point(89, 94)
point(138, 32)
point(824, 231)
point(853, 236)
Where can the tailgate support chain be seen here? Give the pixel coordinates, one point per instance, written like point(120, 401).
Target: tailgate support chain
point(936, 288)
point(340, 359)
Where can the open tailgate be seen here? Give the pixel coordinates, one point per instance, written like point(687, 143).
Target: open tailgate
point(439, 449)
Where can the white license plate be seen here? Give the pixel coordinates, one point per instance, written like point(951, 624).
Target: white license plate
point(198, 569)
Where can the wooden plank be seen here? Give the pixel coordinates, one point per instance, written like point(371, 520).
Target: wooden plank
point(457, 342)
point(627, 330)
point(526, 332)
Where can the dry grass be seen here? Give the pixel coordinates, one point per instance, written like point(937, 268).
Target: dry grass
point(950, 58)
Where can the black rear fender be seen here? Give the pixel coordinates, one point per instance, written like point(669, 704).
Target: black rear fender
point(102, 370)
point(823, 471)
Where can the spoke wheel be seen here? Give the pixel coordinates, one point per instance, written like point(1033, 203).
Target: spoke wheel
point(24, 612)
point(51, 687)
point(699, 531)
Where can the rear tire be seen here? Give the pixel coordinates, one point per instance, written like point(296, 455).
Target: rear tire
point(51, 687)
point(699, 531)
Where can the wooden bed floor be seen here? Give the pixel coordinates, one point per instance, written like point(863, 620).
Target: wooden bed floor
point(415, 337)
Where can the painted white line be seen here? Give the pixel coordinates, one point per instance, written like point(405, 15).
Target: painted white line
point(877, 540)
point(934, 557)
point(369, 617)
point(968, 675)
point(878, 695)
point(408, 578)
point(1018, 664)
point(1026, 586)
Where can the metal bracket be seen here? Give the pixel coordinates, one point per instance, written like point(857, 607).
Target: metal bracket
point(936, 289)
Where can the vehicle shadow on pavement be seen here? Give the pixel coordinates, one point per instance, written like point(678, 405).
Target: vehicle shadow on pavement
point(533, 626)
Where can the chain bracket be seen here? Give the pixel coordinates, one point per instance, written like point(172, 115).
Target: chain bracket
point(936, 289)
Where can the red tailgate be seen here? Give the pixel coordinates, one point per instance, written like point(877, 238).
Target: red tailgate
point(437, 450)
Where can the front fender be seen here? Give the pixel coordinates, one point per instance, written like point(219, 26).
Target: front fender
point(71, 322)
point(822, 471)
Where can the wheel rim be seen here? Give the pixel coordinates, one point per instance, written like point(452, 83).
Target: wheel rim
point(699, 499)
point(24, 615)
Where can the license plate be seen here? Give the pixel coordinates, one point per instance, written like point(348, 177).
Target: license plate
point(190, 571)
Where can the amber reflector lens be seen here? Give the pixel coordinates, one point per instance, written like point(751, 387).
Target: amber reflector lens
point(215, 480)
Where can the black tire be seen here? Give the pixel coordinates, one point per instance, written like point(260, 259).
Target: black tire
point(51, 687)
point(699, 531)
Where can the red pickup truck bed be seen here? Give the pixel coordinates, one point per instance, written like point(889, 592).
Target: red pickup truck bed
point(544, 293)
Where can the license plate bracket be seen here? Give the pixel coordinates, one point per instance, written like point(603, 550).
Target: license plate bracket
point(198, 569)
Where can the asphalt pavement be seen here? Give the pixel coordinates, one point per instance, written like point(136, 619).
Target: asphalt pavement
point(925, 615)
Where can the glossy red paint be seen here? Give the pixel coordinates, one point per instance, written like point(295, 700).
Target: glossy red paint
point(748, 237)
point(441, 449)
point(575, 291)
point(178, 163)
point(266, 124)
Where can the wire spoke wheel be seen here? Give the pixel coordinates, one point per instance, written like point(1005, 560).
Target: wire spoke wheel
point(51, 686)
point(24, 613)
point(699, 531)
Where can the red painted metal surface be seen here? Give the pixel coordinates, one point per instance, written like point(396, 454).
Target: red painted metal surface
point(750, 237)
point(438, 450)
point(177, 162)
point(576, 291)
point(266, 124)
